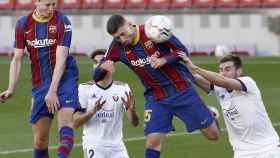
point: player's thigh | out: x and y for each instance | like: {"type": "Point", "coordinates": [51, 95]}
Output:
{"type": "Point", "coordinates": [65, 117]}
{"type": "Point", "coordinates": [41, 129]}
{"type": "Point", "coordinates": [95, 152]}
{"type": "Point", "coordinates": [192, 111]}
{"type": "Point", "coordinates": [157, 118]}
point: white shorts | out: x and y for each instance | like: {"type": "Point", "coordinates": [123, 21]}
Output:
{"type": "Point", "coordinates": [273, 153]}
{"type": "Point", "coordinates": [105, 152]}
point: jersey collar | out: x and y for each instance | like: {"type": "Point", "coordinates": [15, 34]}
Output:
{"type": "Point", "coordinates": [104, 88]}
{"type": "Point", "coordinates": [40, 18]}
{"type": "Point", "coordinates": [137, 37]}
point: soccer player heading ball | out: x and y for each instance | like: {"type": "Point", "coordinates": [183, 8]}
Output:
{"type": "Point", "coordinates": [168, 83]}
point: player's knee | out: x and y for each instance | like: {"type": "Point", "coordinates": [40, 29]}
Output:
{"type": "Point", "coordinates": [41, 142]}
{"type": "Point", "coordinates": [214, 136]}
{"type": "Point", "coordinates": [154, 141]}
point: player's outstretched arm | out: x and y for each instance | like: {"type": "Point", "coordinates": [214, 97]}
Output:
{"type": "Point", "coordinates": [15, 68]}
{"type": "Point", "coordinates": [212, 77]}
{"type": "Point", "coordinates": [81, 118]}
{"type": "Point", "coordinates": [129, 104]}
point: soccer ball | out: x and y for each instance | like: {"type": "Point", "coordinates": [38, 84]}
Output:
{"type": "Point", "coordinates": [158, 28]}
{"type": "Point", "coordinates": [214, 111]}
{"type": "Point", "coordinates": [221, 51]}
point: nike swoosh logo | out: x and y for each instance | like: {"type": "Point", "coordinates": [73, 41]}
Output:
{"type": "Point", "coordinates": [27, 32]}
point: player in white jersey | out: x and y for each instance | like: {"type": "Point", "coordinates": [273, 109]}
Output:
{"type": "Point", "coordinates": [250, 130]}
{"type": "Point", "coordinates": [103, 105]}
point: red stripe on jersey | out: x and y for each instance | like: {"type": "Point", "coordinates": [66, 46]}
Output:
{"type": "Point", "coordinates": [34, 56]}
{"type": "Point", "coordinates": [157, 90]}
{"type": "Point", "coordinates": [61, 29]}
{"type": "Point", "coordinates": [170, 71]}
{"type": "Point", "coordinates": [52, 33]}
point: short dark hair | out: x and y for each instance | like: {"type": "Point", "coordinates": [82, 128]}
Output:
{"type": "Point", "coordinates": [97, 52]}
{"type": "Point", "coordinates": [114, 23]}
{"type": "Point", "coordinates": [235, 59]}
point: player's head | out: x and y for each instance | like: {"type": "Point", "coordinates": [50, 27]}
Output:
{"type": "Point", "coordinates": [45, 7]}
{"type": "Point", "coordinates": [230, 66]}
{"type": "Point", "coordinates": [122, 30]}
{"type": "Point", "coordinates": [96, 56]}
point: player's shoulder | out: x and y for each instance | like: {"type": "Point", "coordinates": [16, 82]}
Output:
{"type": "Point", "coordinates": [87, 84]}
{"type": "Point", "coordinates": [119, 83]}
{"type": "Point", "coordinates": [246, 79]}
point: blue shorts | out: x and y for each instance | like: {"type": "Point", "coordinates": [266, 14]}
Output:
{"type": "Point", "coordinates": [67, 94]}
{"type": "Point", "coordinates": [186, 105]}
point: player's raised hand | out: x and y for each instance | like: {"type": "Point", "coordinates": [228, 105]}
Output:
{"type": "Point", "coordinates": [157, 62]}
{"type": "Point", "coordinates": [109, 66]}
{"type": "Point", "coordinates": [98, 105]}
{"type": "Point", "coordinates": [5, 95]}
{"type": "Point", "coordinates": [185, 58]}
{"type": "Point", "coordinates": [129, 103]}
{"type": "Point", "coordinates": [52, 102]}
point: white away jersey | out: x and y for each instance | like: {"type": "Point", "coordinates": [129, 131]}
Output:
{"type": "Point", "coordinates": [105, 127]}
{"type": "Point", "coordinates": [249, 127]}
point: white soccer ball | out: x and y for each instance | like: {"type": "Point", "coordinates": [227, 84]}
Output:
{"type": "Point", "coordinates": [221, 51]}
{"type": "Point", "coordinates": [158, 28]}
{"type": "Point", "coordinates": [214, 111]}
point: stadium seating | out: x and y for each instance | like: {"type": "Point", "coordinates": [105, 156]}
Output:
{"type": "Point", "coordinates": [250, 3]}
{"type": "Point", "coordinates": [159, 4]}
{"type": "Point", "coordinates": [271, 3]}
{"type": "Point", "coordinates": [70, 4]}
{"type": "Point", "coordinates": [24, 4]}
{"type": "Point", "coordinates": [227, 3]}
{"type": "Point", "coordinates": [92, 4]}
{"type": "Point", "coordinates": [136, 4]}
{"type": "Point", "coordinates": [179, 4]}
{"type": "Point", "coordinates": [7, 4]}
{"type": "Point", "coordinates": [203, 3]}
{"type": "Point", "coordinates": [114, 4]}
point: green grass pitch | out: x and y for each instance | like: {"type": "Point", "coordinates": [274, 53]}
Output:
{"type": "Point", "coordinates": [16, 135]}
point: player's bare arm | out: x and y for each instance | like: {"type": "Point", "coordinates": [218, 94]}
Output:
{"type": "Point", "coordinates": [51, 97]}
{"type": "Point", "coordinates": [109, 66]}
{"type": "Point", "coordinates": [129, 104]}
{"type": "Point", "coordinates": [81, 118]}
{"type": "Point", "coordinates": [157, 62]}
{"type": "Point", "coordinates": [212, 77]}
{"type": "Point", "coordinates": [15, 68]}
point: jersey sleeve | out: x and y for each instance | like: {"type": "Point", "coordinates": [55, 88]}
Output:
{"type": "Point", "coordinates": [19, 42]}
{"type": "Point", "coordinates": [247, 83]}
{"type": "Point", "coordinates": [65, 32]}
{"type": "Point", "coordinates": [83, 96]}
{"type": "Point", "coordinates": [175, 46]}
{"type": "Point", "coordinates": [113, 52]}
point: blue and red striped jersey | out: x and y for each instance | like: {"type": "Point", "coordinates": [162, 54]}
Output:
{"type": "Point", "coordinates": [41, 40]}
{"type": "Point", "coordinates": [159, 83]}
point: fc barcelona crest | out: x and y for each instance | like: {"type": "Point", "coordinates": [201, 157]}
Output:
{"type": "Point", "coordinates": [148, 44]}
{"type": "Point", "coordinates": [52, 29]}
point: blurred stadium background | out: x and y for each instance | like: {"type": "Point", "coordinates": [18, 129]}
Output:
{"type": "Point", "coordinates": [248, 28]}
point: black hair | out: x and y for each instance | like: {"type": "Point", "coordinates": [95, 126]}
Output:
{"type": "Point", "coordinates": [114, 23]}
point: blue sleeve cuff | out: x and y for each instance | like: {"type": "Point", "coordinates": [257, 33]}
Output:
{"type": "Point", "coordinates": [172, 59]}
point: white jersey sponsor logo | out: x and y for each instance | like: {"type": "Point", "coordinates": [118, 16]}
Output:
{"type": "Point", "coordinates": [40, 43]}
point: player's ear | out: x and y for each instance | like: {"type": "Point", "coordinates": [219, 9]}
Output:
{"type": "Point", "coordinates": [239, 71]}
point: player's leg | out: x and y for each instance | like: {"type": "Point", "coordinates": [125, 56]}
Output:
{"type": "Point", "coordinates": [69, 102]}
{"type": "Point", "coordinates": [40, 118]}
{"type": "Point", "coordinates": [195, 114]}
{"type": "Point", "coordinates": [66, 133]}
{"type": "Point", "coordinates": [154, 142]}
{"type": "Point", "coordinates": [41, 131]}
{"type": "Point", "coordinates": [118, 152]}
{"type": "Point", "coordinates": [158, 122]}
